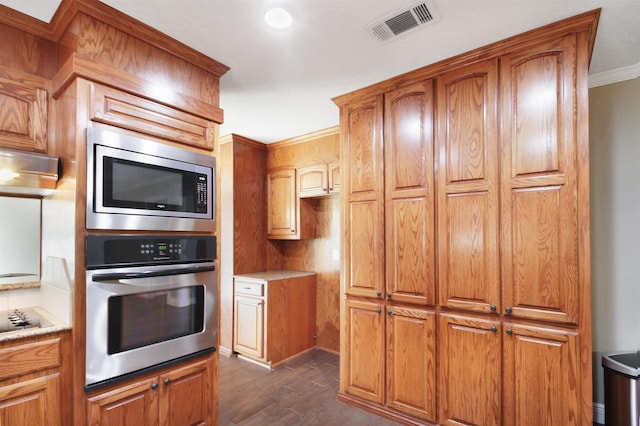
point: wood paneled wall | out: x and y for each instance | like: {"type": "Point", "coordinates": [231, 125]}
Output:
{"type": "Point", "coordinates": [320, 254]}
{"type": "Point", "coordinates": [243, 229]}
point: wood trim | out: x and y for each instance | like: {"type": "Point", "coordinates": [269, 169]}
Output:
{"type": "Point", "coordinates": [69, 8]}
{"type": "Point", "coordinates": [304, 138]}
{"type": "Point", "coordinates": [232, 137]}
{"type": "Point", "coordinates": [587, 21]}
{"type": "Point", "coordinates": [24, 22]}
{"type": "Point", "coordinates": [78, 66]}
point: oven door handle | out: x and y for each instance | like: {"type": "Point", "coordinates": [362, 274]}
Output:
{"type": "Point", "coordinates": [115, 276]}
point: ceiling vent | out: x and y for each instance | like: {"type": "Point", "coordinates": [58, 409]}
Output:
{"type": "Point", "coordinates": [403, 21]}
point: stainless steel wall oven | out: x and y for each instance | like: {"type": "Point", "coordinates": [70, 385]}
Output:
{"type": "Point", "coordinates": [151, 302]}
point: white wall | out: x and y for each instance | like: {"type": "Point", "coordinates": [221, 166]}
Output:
{"type": "Point", "coordinates": [614, 127]}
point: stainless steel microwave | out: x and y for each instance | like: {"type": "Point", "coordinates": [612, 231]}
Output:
{"type": "Point", "coordinates": [139, 184]}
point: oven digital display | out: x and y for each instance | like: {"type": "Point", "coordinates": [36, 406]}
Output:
{"type": "Point", "coordinates": [142, 319]}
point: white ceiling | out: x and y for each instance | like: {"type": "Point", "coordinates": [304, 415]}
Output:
{"type": "Point", "coordinates": [281, 82]}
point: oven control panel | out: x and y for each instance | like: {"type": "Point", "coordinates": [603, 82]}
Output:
{"type": "Point", "coordinates": [128, 250]}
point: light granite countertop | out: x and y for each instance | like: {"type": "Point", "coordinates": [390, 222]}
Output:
{"type": "Point", "coordinates": [49, 324]}
{"type": "Point", "coordinates": [275, 275]}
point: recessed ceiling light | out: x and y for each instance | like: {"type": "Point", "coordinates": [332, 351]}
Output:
{"type": "Point", "coordinates": [278, 18]}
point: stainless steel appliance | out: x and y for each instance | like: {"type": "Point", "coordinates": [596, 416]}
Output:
{"type": "Point", "coordinates": [138, 184]}
{"type": "Point", "coordinates": [27, 173]}
{"type": "Point", "coordinates": [151, 302]}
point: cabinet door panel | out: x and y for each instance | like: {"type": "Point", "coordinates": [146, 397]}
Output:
{"type": "Point", "coordinates": [248, 338]}
{"type": "Point", "coordinates": [365, 354]}
{"type": "Point", "coordinates": [409, 194]}
{"type": "Point", "coordinates": [135, 404]}
{"type": "Point", "coordinates": [364, 249]}
{"type": "Point", "coordinates": [185, 396]}
{"type": "Point", "coordinates": [313, 181]}
{"type": "Point", "coordinates": [470, 376]}
{"type": "Point", "coordinates": [411, 362]}
{"type": "Point", "coordinates": [362, 152]}
{"type": "Point", "coordinates": [281, 200]}
{"type": "Point", "coordinates": [468, 202]}
{"type": "Point", "coordinates": [541, 376]}
{"type": "Point", "coordinates": [539, 196]}
{"type": "Point", "coordinates": [31, 402]}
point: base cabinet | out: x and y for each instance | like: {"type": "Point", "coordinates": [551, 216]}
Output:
{"type": "Point", "coordinates": [391, 357]}
{"type": "Point", "coordinates": [31, 402]}
{"type": "Point", "coordinates": [274, 315]}
{"type": "Point", "coordinates": [32, 377]}
{"type": "Point", "coordinates": [181, 396]}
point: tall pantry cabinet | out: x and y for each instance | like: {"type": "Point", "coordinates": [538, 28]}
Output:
{"type": "Point", "coordinates": [465, 250]}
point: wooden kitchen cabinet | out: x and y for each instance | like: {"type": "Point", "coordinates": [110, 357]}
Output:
{"type": "Point", "coordinates": [274, 315]}
{"type": "Point", "coordinates": [31, 378]}
{"type": "Point", "coordinates": [24, 109]}
{"type": "Point", "coordinates": [180, 396]}
{"type": "Point", "coordinates": [288, 217]}
{"type": "Point", "coordinates": [391, 356]}
{"type": "Point", "coordinates": [543, 158]}
{"type": "Point", "coordinates": [117, 108]}
{"type": "Point", "coordinates": [319, 180]}
{"type": "Point", "coordinates": [490, 147]}
{"type": "Point", "coordinates": [468, 208]}
{"type": "Point", "coordinates": [470, 370]}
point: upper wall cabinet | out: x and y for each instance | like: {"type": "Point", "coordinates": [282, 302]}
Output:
{"type": "Point", "coordinates": [23, 111]}
{"type": "Point", "coordinates": [319, 180]}
{"type": "Point", "coordinates": [288, 217]}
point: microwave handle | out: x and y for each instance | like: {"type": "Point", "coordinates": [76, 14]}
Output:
{"type": "Point", "coordinates": [115, 276]}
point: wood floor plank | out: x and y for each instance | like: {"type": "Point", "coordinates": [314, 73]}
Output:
{"type": "Point", "coordinates": [300, 392]}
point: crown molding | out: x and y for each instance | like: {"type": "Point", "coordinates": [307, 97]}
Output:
{"type": "Point", "coordinates": [614, 76]}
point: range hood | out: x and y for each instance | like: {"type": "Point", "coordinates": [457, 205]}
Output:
{"type": "Point", "coordinates": [27, 173]}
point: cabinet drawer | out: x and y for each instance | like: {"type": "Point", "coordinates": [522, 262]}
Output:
{"type": "Point", "coordinates": [250, 289]}
{"type": "Point", "coordinates": [29, 357]}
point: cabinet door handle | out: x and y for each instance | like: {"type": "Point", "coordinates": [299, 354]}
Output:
{"type": "Point", "coordinates": [389, 312]}
{"type": "Point", "coordinates": [494, 329]}
{"type": "Point", "coordinates": [493, 308]}
{"type": "Point", "coordinates": [293, 231]}
{"type": "Point", "coordinates": [167, 381]}
{"type": "Point", "coordinates": [378, 294]}
{"type": "Point", "coordinates": [378, 310]}
{"type": "Point", "coordinates": [508, 309]}
{"type": "Point", "coordinates": [154, 386]}
{"type": "Point", "coordinates": [388, 295]}
{"type": "Point", "coordinates": [509, 331]}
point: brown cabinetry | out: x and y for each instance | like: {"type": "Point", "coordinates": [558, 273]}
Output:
{"type": "Point", "coordinates": [319, 180]}
{"type": "Point", "coordinates": [390, 348]}
{"type": "Point", "coordinates": [490, 147]}
{"type": "Point", "coordinates": [24, 108]}
{"type": "Point", "coordinates": [274, 315]}
{"type": "Point", "coordinates": [288, 217]}
{"type": "Point", "coordinates": [182, 396]}
{"type": "Point", "coordinates": [30, 383]}
{"type": "Point", "coordinates": [131, 112]}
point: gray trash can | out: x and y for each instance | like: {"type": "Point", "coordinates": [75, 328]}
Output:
{"type": "Point", "coordinates": [621, 389]}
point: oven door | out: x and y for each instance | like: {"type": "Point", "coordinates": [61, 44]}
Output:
{"type": "Point", "coordinates": [141, 318]}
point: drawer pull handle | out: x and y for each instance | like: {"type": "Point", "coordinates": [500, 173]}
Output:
{"type": "Point", "coordinates": [167, 381]}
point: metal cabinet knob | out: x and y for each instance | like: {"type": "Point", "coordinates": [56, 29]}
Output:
{"type": "Point", "coordinates": [167, 381]}
{"type": "Point", "coordinates": [389, 312]}
{"type": "Point", "coordinates": [154, 386]}
{"type": "Point", "coordinates": [388, 295]}
{"type": "Point", "coordinates": [494, 329]}
{"type": "Point", "coordinates": [378, 310]}
{"type": "Point", "coordinates": [493, 308]}
{"type": "Point", "coordinates": [378, 294]}
{"type": "Point", "coordinates": [508, 309]}
{"type": "Point", "coordinates": [509, 331]}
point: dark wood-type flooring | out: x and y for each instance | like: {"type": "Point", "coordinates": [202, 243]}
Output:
{"type": "Point", "coordinates": [300, 392]}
